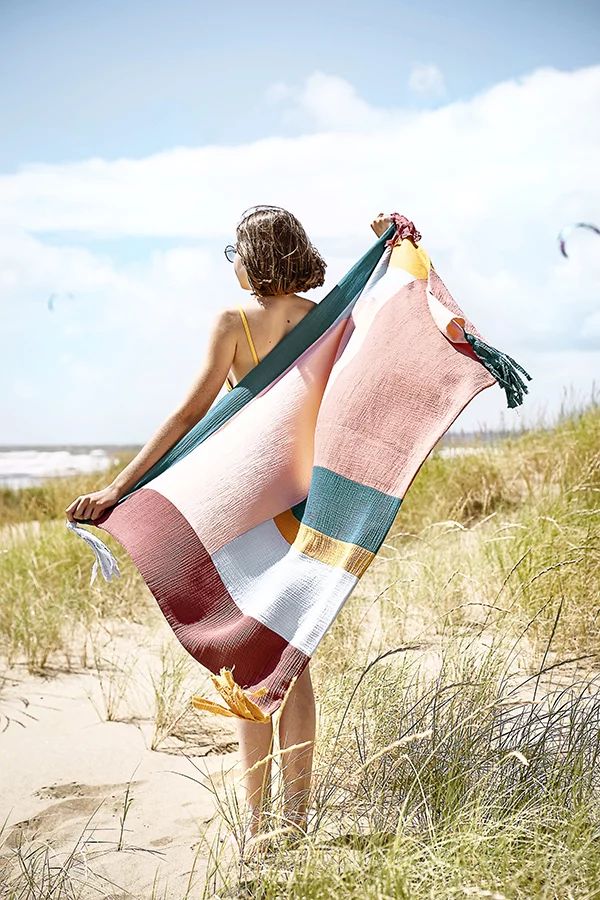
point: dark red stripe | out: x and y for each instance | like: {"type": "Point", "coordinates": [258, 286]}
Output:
{"type": "Point", "coordinates": [188, 589]}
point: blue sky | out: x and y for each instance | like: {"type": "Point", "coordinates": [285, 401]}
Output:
{"type": "Point", "coordinates": [111, 78]}
{"type": "Point", "coordinates": [135, 133]}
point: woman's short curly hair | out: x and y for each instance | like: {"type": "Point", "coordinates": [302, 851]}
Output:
{"type": "Point", "coordinates": [276, 252]}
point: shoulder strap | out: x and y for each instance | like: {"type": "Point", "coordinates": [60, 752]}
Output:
{"type": "Point", "coordinates": [248, 335]}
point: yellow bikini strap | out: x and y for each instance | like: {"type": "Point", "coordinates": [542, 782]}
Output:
{"type": "Point", "coordinates": [248, 335]}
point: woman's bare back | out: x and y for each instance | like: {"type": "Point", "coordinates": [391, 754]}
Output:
{"type": "Point", "coordinates": [268, 325]}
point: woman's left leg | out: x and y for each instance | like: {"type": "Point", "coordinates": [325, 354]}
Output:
{"type": "Point", "coordinates": [255, 740]}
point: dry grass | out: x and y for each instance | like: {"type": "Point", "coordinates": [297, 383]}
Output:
{"type": "Point", "coordinates": [49, 499]}
{"type": "Point", "coordinates": [458, 749]}
{"type": "Point", "coordinates": [114, 673]}
{"type": "Point", "coordinates": [171, 691]}
{"type": "Point", "coordinates": [459, 745]}
{"type": "Point", "coordinates": [47, 599]}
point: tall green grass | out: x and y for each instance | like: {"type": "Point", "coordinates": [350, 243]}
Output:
{"type": "Point", "coordinates": [458, 747]}
{"type": "Point", "coordinates": [47, 600]}
{"type": "Point", "coordinates": [525, 509]}
{"type": "Point", "coordinates": [49, 499]}
{"type": "Point", "coordinates": [458, 780]}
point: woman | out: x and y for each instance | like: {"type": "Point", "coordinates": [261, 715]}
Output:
{"type": "Point", "coordinates": [273, 259]}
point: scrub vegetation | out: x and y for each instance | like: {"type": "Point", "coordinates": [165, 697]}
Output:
{"type": "Point", "coordinates": [458, 740]}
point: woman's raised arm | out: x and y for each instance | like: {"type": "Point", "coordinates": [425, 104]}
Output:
{"type": "Point", "coordinates": [203, 391]}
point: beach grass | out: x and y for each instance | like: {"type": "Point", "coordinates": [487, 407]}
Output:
{"type": "Point", "coordinates": [458, 750]}
{"type": "Point", "coordinates": [47, 597]}
{"type": "Point", "coordinates": [524, 508]}
{"type": "Point", "coordinates": [449, 785]}
{"type": "Point", "coordinates": [49, 499]}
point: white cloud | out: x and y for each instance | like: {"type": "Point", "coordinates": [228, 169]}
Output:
{"type": "Point", "coordinates": [488, 181]}
{"type": "Point", "coordinates": [426, 80]}
{"type": "Point", "coordinates": [325, 102]}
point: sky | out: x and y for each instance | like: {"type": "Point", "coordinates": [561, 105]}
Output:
{"type": "Point", "coordinates": [134, 135]}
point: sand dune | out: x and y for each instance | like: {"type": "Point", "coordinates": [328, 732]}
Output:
{"type": "Point", "coordinates": [66, 774]}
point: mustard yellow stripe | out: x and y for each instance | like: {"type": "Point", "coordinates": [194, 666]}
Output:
{"type": "Point", "coordinates": [412, 259]}
{"type": "Point", "coordinates": [340, 554]}
{"type": "Point", "coordinates": [288, 525]}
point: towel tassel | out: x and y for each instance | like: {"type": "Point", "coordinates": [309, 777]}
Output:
{"type": "Point", "coordinates": [238, 700]}
{"type": "Point", "coordinates": [103, 554]}
{"type": "Point", "coordinates": [503, 367]}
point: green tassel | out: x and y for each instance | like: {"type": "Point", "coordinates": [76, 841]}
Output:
{"type": "Point", "coordinates": [503, 367]}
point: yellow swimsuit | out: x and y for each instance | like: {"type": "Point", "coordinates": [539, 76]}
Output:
{"type": "Point", "coordinates": [250, 342]}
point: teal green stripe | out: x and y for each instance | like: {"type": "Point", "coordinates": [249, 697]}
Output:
{"type": "Point", "coordinates": [349, 511]}
{"type": "Point", "coordinates": [298, 509]}
{"type": "Point", "coordinates": [296, 341]}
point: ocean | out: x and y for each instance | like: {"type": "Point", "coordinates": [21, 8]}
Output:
{"type": "Point", "coordinates": [25, 466]}
{"type": "Point", "coordinates": [22, 466]}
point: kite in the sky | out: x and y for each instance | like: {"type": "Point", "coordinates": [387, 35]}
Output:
{"type": "Point", "coordinates": [54, 297]}
{"type": "Point", "coordinates": [566, 231]}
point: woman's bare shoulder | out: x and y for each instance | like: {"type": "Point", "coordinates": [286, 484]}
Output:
{"type": "Point", "coordinates": [309, 304]}
{"type": "Point", "coordinates": [227, 317]}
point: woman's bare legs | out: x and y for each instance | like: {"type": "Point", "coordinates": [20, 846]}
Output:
{"type": "Point", "coordinates": [297, 725]}
{"type": "Point", "coordinates": [255, 740]}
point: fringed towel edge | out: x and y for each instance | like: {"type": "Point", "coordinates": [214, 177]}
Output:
{"type": "Point", "coordinates": [239, 703]}
{"type": "Point", "coordinates": [503, 367]}
{"type": "Point", "coordinates": [103, 554]}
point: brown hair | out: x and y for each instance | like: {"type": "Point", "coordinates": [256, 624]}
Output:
{"type": "Point", "coordinates": [276, 252]}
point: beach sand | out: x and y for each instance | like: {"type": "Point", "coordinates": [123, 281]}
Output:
{"type": "Point", "coordinates": [65, 777]}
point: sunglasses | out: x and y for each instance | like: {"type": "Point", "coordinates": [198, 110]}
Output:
{"type": "Point", "coordinates": [230, 251]}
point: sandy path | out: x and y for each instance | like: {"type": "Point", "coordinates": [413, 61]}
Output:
{"type": "Point", "coordinates": [65, 772]}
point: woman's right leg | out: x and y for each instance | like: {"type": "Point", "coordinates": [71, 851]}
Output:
{"type": "Point", "coordinates": [256, 743]}
{"type": "Point", "coordinates": [297, 725]}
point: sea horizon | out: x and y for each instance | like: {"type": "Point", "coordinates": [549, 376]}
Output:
{"type": "Point", "coordinates": [28, 465]}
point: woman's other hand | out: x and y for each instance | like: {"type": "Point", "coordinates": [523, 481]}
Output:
{"type": "Point", "coordinates": [91, 506]}
{"type": "Point", "coordinates": [381, 224]}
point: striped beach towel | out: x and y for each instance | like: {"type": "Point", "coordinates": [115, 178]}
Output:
{"type": "Point", "coordinates": [255, 528]}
